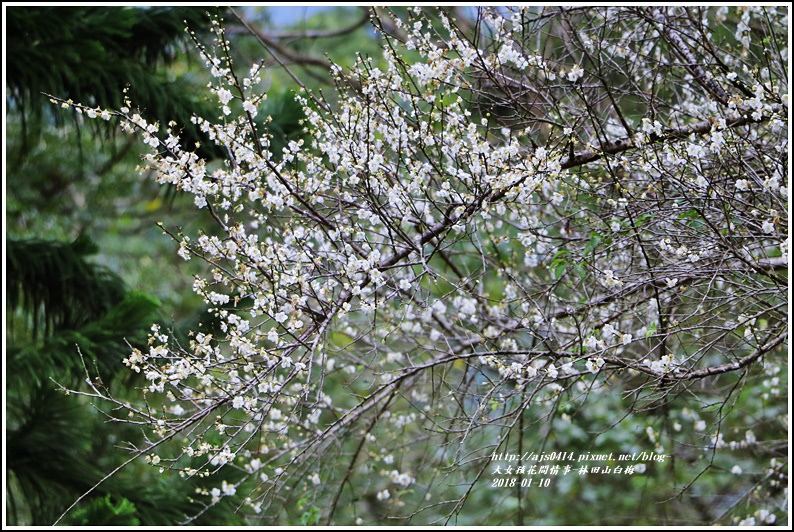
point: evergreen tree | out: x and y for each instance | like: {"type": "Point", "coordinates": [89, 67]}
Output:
{"type": "Point", "coordinates": [67, 317]}
{"type": "Point", "coordinates": [71, 319]}
{"type": "Point", "coordinates": [95, 53]}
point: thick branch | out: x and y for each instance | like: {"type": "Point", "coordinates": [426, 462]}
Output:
{"type": "Point", "coordinates": [276, 48]}
{"type": "Point", "coordinates": [690, 62]}
{"type": "Point", "coordinates": [742, 362]}
{"type": "Point", "coordinates": [621, 145]}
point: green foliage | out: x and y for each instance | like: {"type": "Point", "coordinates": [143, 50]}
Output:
{"type": "Point", "coordinates": [47, 454]}
{"type": "Point", "coordinates": [53, 283]}
{"type": "Point", "coordinates": [100, 343]}
{"type": "Point", "coordinates": [60, 303]}
{"type": "Point", "coordinates": [51, 52]}
{"type": "Point", "coordinates": [70, 318]}
{"type": "Point", "coordinates": [311, 516]}
{"type": "Point", "coordinates": [59, 447]}
{"type": "Point", "coordinates": [102, 511]}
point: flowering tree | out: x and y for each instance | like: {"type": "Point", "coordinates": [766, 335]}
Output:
{"type": "Point", "coordinates": [495, 228]}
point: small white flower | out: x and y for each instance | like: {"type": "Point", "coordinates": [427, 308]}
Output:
{"type": "Point", "coordinates": [591, 343]}
{"type": "Point", "coordinates": [736, 470]}
{"type": "Point", "coordinates": [228, 489]}
{"type": "Point", "coordinates": [224, 95]}
{"type": "Point", "coordinates": [768, 227]}
{"type": "Point", "coordinates": [250, 108]}
{"type": "Point", "coordinates": [609, 280]}
{"type": "Point", "coordinates": [575, 73]}
{"type": "Point", "coordinates": [625, 338]}
{"type": "Point", "coordinates": [742, 184]}
{"type": "Point", "coordinates": [184, 251]}
{"type": "Point", "coordinates": [696, 150]}
{"type": "Point", "coordinates": [593, 365]}
{"type": "Point", "coordinates": [383, 495]}
{"type": "Point", "coordinates": [403, 479]}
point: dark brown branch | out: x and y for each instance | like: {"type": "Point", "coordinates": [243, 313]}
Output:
{"type": "Point", "coordinates": [739, 364]}
{"type": "Point", "coordinates": [621, 145]}
{"type": "Point", "coordinates": [690, 62]}
{"type": "Point", "coordinates": [284, 53]}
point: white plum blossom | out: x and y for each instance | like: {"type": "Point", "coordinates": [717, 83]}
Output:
{"type": "Point", "coordinates": [250, 108]}
{"type": "Point", "coordinates": [225, 96]}
{"type": "Point", "coordinates": [609, 280]}
{"type": "Point", "coordinates": [403, 479]}
{"type": "Point", "coordinates": [591, 343]}
{"type": "Point", "coordinates": [594, 364]}
{"type": "Point", "coordinates": [608, 331]}
{"type": "Point", "coordinates": [575, 73]}
{"type": "Point", "coordinates": [768, 227]}
{"type": "Point", "coordinates": [464, 232]}
{"type": "Point", "coordinates": [228, 489]}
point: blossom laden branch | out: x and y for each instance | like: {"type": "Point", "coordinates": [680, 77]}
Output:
{"type": "Point", "coordinates": [457, 247]}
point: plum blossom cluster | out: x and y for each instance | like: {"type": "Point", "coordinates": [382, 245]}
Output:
{"type": "Point", "coordinates": [472, 227]}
